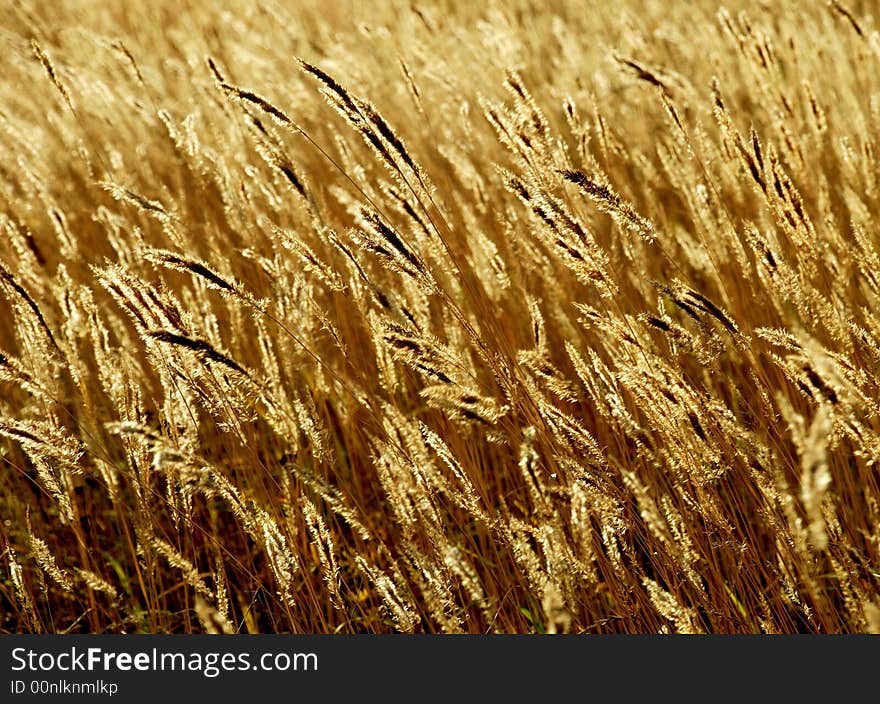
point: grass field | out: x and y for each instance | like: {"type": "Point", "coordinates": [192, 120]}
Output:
{"type": "Point", "coordinates": [439, 317]}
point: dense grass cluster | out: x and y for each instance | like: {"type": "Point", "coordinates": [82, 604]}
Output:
{"type": "Point", "coordinates": [439, 317]}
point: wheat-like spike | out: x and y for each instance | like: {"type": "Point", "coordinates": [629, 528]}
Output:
{"type": "Point", "coordinates": [841, 10]}
{"type": "Point", "coordinates": [252, 98]}
{"type": "Point", "coordinates": [190, 573]}
{"type": "Point", "coordinates": [46, 560]}
{"type": "Point", "coordinates": [44, 59]}
{"type": "Point", "coordinates": [201, 347]}
{"type": "Point", "coordinates": [192, 266]}
{"type": "Point", "coordinates": [608, 201]}
{"type": "Point", "coordinates": [22, 592]}
{"type": "Point", "coordinates": [7, 278]}
{"type": "Point", "coordinates": [323, 540]}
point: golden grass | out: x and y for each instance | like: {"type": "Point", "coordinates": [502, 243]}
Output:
{"type": "Point", "coordinates": [347, 317]}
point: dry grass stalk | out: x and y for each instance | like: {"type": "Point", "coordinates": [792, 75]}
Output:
{"type": "Point", "coordinates": [558, 327]}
